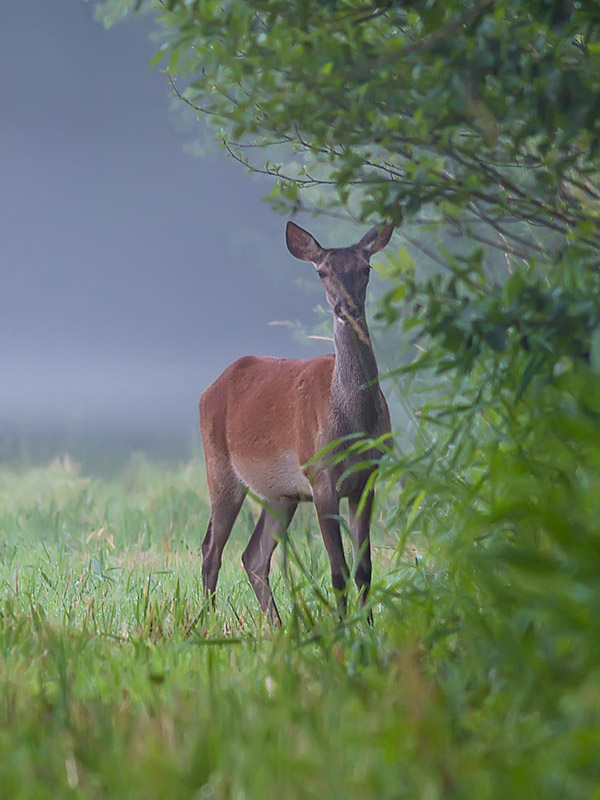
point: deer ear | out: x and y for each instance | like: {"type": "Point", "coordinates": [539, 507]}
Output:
{"type": "Point", "coordinates": [301, 244]}
{"type": "Point", "coordinates": [377, 238]}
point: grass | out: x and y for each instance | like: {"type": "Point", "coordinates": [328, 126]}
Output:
{"type": "Point", "coordinates": [113, 684]}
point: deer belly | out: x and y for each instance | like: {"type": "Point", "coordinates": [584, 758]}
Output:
{"type": "Point", "coordinates": [275, 477]}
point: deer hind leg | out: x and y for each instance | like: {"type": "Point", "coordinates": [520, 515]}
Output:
{"type": "Point", "coordinates": [226, 498]}
{"type": "Point", "coordinates": [271, 526]}
{"type": "Point", "coordinates": [360, 522]}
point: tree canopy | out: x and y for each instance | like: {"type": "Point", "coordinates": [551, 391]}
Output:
{"type": "Point", "coordinates": [477, 112]}
{"type": "Point", "coordinates": [468, 122]}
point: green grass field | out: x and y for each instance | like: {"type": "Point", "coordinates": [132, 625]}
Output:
{"type": "Point", "coordinates": [113, 684]}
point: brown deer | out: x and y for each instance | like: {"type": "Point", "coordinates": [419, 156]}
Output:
{"type": "Point", "coordinates": [265, 419]}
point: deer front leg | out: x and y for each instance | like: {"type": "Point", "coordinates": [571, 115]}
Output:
{"type": "Point", "coordinates": [360, 523]}
{"type": "Point", "coordinates": [328, 513]}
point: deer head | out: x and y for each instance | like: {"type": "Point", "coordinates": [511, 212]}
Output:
{"type": "Point", "coordinates": [344, 271]}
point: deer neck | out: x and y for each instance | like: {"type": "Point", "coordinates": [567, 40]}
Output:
{"type": "Point", "coordinates": [355, 395]}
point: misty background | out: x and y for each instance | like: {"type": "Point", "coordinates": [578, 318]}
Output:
{"type": "Point", "coordinates": [132, 272]}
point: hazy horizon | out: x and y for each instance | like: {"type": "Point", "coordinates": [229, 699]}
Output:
{"type": "Point", "coordinates": [132, 272]}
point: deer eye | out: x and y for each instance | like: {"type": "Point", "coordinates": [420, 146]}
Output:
{"type": "Point", "coordinates": [321, 273]}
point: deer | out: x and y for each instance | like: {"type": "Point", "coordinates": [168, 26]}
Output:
{"type": "Point", "coordinates": [264, 422]}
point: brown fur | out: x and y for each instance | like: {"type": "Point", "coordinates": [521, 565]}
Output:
{"type": "Point", "coordinates": [262, 406]}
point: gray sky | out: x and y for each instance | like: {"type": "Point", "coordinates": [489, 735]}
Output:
{"type": "Point", "coordinates": [132, 273]}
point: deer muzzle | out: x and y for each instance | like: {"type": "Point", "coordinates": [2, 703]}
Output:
{"type": "Point", "coordinates": [346, 311]}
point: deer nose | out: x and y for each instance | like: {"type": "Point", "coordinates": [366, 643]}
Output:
{"type": "Point", "coordinates": [345, 309]}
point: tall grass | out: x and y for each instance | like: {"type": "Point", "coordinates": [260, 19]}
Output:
{"type": "Point", "coordinates": [115, 683]}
